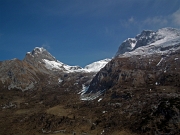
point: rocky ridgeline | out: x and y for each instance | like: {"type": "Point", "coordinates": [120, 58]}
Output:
{"type": "Point", "coordinates": [39, 69]}
{"type": "Point", "coordinates": [140, 86]}
{"type": "Point", "coordinates": [138, 71]}
{"type": "Point", "coordinates": [146, 60]}
{"type": "Point", "coordinates": [150, 42]}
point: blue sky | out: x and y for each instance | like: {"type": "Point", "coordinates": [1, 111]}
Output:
{"type": "Point", "coordinates": [78, 32]}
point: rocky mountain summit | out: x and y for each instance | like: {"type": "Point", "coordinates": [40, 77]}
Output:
{"type": "Point", "coordinates": [39, 64]}
{"type": "Point", "coordinates": [150, 42]}
{"type": "Point", "coordinates": [43, 57]}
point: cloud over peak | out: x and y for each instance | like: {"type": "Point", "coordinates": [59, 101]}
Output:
{"type": "Point", "coordinates": [176, 17]}
{"type": "Point", "coordinates": [172, 19]}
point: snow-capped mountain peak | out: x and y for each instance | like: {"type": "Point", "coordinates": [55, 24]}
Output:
{"type": "Point", "coordinates": [41, 53]}
{"type": "Point", "coordinates": [38, 50]}
{"type": "Point", "coordinates": [40, 56]}
{"type": "Point", "coordinates": [150, 42]}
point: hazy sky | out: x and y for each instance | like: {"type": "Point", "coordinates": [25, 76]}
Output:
{"type": "Point", "coordinates": [78, 32]}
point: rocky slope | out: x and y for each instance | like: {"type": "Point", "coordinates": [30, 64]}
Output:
{"type": "Point", "coordinates": [40, 68]}
{"type": "Point", "coordinates": [42, 59]}
{"type": "Point", "coordinates": [138, 71]}
{"type": "Point", "coordinates": [18, 74]}
{"type": "Point", "coordinates": [160, 56]}
{"type": "Point", "coordinates": [142, 83]}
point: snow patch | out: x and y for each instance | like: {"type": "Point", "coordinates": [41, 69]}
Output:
{"type": "Point", "coordinates": [60, 80]}
{"type": "Point", "coordinates": [91, 96]}
{"type": "Point", "coordinates": [53, 64]}
{"type": "Point", "coordinates": [176, 58]}
{"type": "Point", "coordinates": [104, 111]}
{"type": "Point", "coordinates": [99, 99]}
{"type": "Point", "coordinates": [159, 62]}
{"type": "Point", "coordinates": [84, 89]}
{"type": "Point", "coordinates": [96, 66]}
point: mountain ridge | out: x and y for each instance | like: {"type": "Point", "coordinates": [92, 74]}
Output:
{"type": "Point", "coordinates": [140, 88]}
{"type": "Point", "coordinates": [161, 44]}
{"type": "Point", "coordinates": [38, 64]}
{"type": "Point", "coordinates": [39, 54]}
{"type": "Point", "coordinates": [149, 41]}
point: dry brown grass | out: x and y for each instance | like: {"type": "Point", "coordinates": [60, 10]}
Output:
{"type": "Point", "coordinates": [59, 111]}
{"type": "Point", "coordinates": [123, 132]}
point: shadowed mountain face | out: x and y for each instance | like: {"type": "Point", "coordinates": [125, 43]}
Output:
{"type": "Point", "coordinates": [150, 71]}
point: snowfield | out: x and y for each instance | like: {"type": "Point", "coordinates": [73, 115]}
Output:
{"type": "Point", "coordinates": [57, 65]}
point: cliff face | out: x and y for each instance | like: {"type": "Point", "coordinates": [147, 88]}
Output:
{"type": "Point", "coordinates": [140, 93]}
{"type": "Point", "coordinates": [139, 89]}
{"type": "Point", "coordinates": [138, 71]}
{"type": "Point", "coordinates": [150, 59]}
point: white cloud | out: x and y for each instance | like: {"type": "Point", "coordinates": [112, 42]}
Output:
{"type": "Point", "coordinates": [131, 20]}
{"type": "Point", "coordinates": [172, 20]}
{"type": "Point", "coordinates": [156, 20]}
{"type": "Point", "coordinates": [46, 46]}
{"type": "Point", "coordinates": [176, 17]}
{"type": "Point", "coordinates": [153, 22]}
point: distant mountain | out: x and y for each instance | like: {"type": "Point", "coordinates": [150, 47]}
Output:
{"type": "Point", "coordinates": [42, 56]}
{"type": "Point", "coordinates": [30, 73]}
{"type": "Point", "coordinates": [38, 54]}
{"type": "Point", "coordinates": [149, 42]}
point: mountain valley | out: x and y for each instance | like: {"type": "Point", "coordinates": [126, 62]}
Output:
{"type": "Point", "coordinates": [135, 93]}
